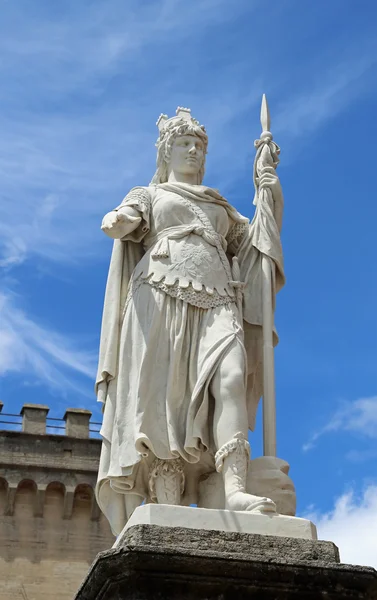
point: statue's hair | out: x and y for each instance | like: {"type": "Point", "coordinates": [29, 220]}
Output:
{"type": "Point", "coordinates": [165, 142]}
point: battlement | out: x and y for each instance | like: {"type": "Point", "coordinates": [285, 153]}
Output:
{"type": "Point", "coordinates": [33, 419]}
{"type": "Point", "coordinates": [67, 462]}
{"type": "Point", "coordinates": [51, 527]}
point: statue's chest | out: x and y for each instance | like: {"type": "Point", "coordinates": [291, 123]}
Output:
{"type": "Point", "coordinates": [169, 210]}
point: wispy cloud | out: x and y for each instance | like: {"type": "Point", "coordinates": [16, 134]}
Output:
{"type": "Point", "coordinates": [352, 526]}
{"type": "Point", "coordinates": [96, 78]}
{"type": "Point", "coordinates": [87, 40]}
{"type": "Point", "coordinates": [361, 456]}
{"type": "Point", "coordinates": [79, 103]}
{"type": "Point", "coordinates": [66, 140]}
{"type": "Point", "coordinates": [42, 355]}
{"type": "Point", "coordinates": [359, 416]}
{"type": "Point", "coordinates": [336, 84]}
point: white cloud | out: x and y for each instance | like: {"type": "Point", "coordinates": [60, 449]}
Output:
{"type": "Point", "coordinates": [87, 41]}
{"type": "Point", "coordinates": [340, 82]}
{"type": "Point", "coordinates": [83, 140]}
{"type": "Point", "coordinates": [41, 354]}
{"type": "Point", "coordinates": [359, 416]}
{"type": "Point", "coordinates": [360, 456]}
{"type": "Point", "coordinates": [90, 144]}
{"type": "Point", "coordinates": [352, 526]}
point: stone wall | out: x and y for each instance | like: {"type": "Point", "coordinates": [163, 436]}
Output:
{"type": "Point", "coordinates": [51, 528]}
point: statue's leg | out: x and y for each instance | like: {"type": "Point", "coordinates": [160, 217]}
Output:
{"type": "Point", "coordinates": [228, 389]}
{"type": "Point", "coordinates": [167, 481]}
{"type": "Point", "coordinates": [230, 432]}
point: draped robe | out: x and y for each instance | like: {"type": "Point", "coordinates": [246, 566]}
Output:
{"type": "Point", "coordinates": [160, 345]}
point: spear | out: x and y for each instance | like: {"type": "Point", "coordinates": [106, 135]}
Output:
{"type": "Point", "coordinates": [267, 156]}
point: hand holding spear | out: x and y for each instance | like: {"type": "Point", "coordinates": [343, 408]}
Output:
{"type": "Point", "coordinates": [267, 188]}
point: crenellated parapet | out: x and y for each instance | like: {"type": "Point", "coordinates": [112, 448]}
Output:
{"type": "Point", "coordinates": [38, 460]}
{"type": "Point", "coordinates": [49, 519]}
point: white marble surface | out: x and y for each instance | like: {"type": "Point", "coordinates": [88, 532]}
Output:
{"type": "Point", "coordinates": [180, 246]}
{"type": "Point", "coordinates": [221, 520]}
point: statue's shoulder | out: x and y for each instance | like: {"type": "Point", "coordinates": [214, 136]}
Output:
{"type": "Point", "coordinates": [142, 189]}
{"type": "Point", "coordinates": [140, 195]}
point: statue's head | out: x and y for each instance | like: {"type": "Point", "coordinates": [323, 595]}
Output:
{"type": "Point", "coordinates": [182, 144]}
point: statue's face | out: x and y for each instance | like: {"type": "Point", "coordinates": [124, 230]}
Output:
{"type": "Point", "coordinates": [187, 155]}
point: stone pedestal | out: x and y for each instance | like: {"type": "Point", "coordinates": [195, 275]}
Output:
{"type": "Point", "coordinates": [154, 562]}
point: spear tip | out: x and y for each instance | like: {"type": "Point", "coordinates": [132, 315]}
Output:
{"type": "Point", "coordinates": [265, 118]}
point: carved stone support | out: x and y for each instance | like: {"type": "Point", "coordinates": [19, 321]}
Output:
{"type": "Point", "coordinates": [167, 481]}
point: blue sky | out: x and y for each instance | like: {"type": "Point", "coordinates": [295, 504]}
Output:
{"type": "Point", "coordinates": [81, 87]}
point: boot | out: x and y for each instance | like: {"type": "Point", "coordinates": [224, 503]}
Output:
{"type": "Point", "coordinates": [232, 460]}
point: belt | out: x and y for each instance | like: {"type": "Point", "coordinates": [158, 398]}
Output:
{"type": "Point", "coordinates": [160, 240]}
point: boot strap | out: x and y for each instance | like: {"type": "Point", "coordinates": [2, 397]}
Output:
{"type": "Point", "coordinates": [237, 444]}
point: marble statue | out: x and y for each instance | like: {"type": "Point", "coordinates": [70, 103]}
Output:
{"type": "Point", "coordinates": [181, 365]}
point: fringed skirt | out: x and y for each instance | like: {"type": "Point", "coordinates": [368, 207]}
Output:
{"type": "Point", "coordinates": [160, 405]}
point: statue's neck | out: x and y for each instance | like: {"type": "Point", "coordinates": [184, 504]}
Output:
{"type": "Point", "coordinates": [192, 179]}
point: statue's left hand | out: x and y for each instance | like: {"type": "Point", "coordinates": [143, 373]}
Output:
{"type": "Point", "coordinates": [269, 180]}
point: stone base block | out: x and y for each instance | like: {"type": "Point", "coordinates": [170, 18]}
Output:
{"type": "Point", "coordinates": [152, 562]}
{"type": "Point", "coordinates": [220, 520]}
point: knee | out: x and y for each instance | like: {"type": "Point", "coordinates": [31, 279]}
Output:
{"type": "Point", "coordinates": [229, 383]}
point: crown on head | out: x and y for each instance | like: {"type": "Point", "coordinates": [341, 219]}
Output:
{"type": "Point", "coordinates": [181, 114]}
